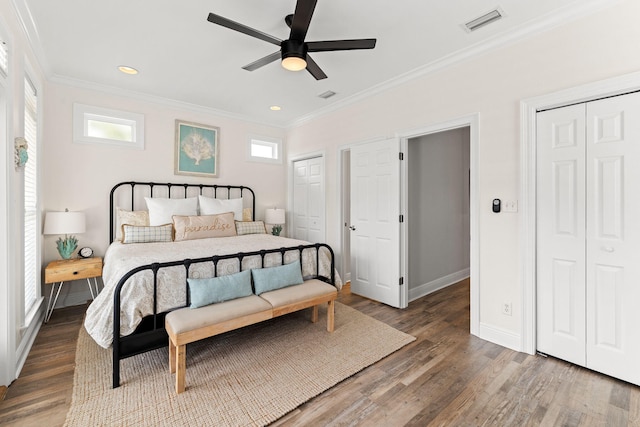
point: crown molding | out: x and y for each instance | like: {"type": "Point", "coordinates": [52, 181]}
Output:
{"type": "Point", "coordinates": [25, 18]}
{"type": "Point", "coordinates": [167, 102]}
{"type": "Point", "coordinates": [528, 30]}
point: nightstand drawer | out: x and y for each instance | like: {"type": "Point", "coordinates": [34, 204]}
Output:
{"type": "Point", "coordinates": [73, 269]}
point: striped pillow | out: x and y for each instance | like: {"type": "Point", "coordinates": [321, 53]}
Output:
{"type": "Point", "coordinates": [140, 234]}
{"type": "Point", "coordinates": [250, 227]}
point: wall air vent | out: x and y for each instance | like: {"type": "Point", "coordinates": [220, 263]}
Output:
{"type": "Point", "coordinates": [327, 94]}
{"type": "Point", "coordinates": [483, 20]}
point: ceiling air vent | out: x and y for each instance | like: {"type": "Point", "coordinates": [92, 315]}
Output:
{"type": "Point", "coordinates": [327, 94]}
{"type": "Point", "coordinates": [483, 20]}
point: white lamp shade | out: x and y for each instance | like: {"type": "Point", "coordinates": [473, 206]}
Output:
{"type": "Point", "coordinates": [274, 216]}
{"type": "Point", "coordinates": [64, 223]}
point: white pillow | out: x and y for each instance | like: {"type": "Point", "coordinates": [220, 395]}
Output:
{"type": "Point", "coordinates": [210, 206]}
{"type": "Point", "coordinates": [161, 210]}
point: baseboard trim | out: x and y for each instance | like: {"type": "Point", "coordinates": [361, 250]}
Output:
{"type": "Point", "coordinates": [435, 285]}
{"type": "Point", "coordinates": [500, 336]}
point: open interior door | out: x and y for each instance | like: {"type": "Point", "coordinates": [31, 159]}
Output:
{"type": "Point", "coordinates": [375, 221]}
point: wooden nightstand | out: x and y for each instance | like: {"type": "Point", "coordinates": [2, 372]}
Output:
{"type": "Point", "coordinates": [64, 270]}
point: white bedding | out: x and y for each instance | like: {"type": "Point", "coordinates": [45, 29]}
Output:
{"type": "Point", "coordinates": [137, 294]}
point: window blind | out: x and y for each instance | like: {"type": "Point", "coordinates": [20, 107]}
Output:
{"type": "Point", "coordinates": [30, 196]}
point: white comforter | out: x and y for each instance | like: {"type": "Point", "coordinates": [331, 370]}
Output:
{"type": "Point", "coordinates": [137, 294]}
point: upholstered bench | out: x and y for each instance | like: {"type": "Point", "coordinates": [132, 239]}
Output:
{"type": "Point", "coordinates": [187, 325]}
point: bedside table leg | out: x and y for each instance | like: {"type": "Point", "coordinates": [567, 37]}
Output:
{"type": "Point", "coordinates": [91, 288]}
{"type": "Point", "coordinates": [52, 303]}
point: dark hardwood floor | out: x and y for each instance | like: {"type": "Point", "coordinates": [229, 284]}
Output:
{"type": "Point", "coordinates": [445, 378]}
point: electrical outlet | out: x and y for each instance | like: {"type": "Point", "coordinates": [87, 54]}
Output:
{"type": "Point", "coordinates": [506, 308]}
{"type": "Point", "coordinates": [510, 206]}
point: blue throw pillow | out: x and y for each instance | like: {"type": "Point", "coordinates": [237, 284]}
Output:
{"type": "Point", "coordinates": [272, 278]}
{"type": "Point", "coordinates": [219, 289]}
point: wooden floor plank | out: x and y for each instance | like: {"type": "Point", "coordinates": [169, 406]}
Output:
{"type": "Point", "coordinates": [446, 377]}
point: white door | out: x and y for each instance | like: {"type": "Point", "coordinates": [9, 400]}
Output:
{"type": "Point", "coordinates": [375, 224]}
{"type": "Point", "coordinates": [589, 236]}
{"type": "Point", "coordinates": [613, 236]}
{"type": "Point", "coordinates": [561, 292]}
{"type": "Point", "coordinates": [308, 200]}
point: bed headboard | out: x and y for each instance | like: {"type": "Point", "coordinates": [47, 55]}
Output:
{"type": "Point", "coordinates": [130, 195]}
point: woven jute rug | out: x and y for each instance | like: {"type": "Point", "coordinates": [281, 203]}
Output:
{"type": "Point", "coordinates": [248, 377]}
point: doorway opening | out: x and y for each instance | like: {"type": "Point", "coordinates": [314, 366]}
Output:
{"type": "Point", "coordinates": [437, 215]}
{"type": "Point", "coordinates": [469, 124]}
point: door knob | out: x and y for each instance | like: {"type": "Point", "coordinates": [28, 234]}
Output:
{"type": "Point", "coordinates": [608, 249]}
{"type": "Point", "coordinates": [352, 228]}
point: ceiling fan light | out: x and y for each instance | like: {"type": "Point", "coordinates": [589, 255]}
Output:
{"type": "Point", "coordinates": [294, 63]}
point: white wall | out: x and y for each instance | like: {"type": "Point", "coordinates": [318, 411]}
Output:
{"type": "Point", "coordinates": [588, 49]}
{"type": "Point", "coordinates": [438, 210]}
{"type": "Point", "coordinates": [80, 176]}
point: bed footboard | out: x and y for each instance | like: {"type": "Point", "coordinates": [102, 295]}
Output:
{"type": "Point", "coordinates": [151, 334]}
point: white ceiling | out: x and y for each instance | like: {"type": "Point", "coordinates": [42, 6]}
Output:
{"type": "Point", "coordinates": [183, 57]}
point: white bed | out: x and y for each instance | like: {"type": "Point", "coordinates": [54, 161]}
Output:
{"type": "Point", "coordinates": [137, 295]}
{"type": "Point", "coordinates": [161, 230]}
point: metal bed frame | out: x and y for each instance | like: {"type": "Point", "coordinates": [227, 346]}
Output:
{"type": "Point", "coordinates": [240, 190]}
{"type": "Point", "coordinates": [150, 333]}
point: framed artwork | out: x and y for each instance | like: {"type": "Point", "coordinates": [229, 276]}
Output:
{"type": "Point", "coordinates": [196, 149]}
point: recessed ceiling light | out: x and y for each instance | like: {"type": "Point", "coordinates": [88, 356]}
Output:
{"type": "Point", "coordinates": [275, 108]}
{"type": "Point", "coordinates": [127, 70]}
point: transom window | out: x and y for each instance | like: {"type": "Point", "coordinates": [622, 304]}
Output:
{"type": "Point", "coordinates": [264, 149]}
{"type": "Point", "coordinates": [95, 125]}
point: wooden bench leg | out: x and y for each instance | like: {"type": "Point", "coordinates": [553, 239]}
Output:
{"type": "Point", "coordinates": [331, 316]}
{"type": "Point", "coordinates": [172, 357]}
{"type": "Point", "coordinates": [314, 314]}
{"type": "Point", "coordinates": [181, 367]}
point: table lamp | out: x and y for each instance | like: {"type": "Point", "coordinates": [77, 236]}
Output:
{"type": "Point", "coordinates": [65, 223]}
{"type": "Point", "coordinates": [275, 217]}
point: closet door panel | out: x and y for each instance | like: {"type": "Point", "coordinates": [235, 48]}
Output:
{"type": "Point", "coordinates": [561, 233]}
{"type": "Point", "coordinates": [300, 214]}
{"type": "Point", "coordinates": [315, 206]}
{"type": "Point", "coordinates": [613, 236]}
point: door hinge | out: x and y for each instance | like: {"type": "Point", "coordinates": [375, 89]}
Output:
{"type": "Point", "coordinates": [401, 155]}
{"type": "Point", "coordinates": [401, 218]}
{"type": "Point", "coordinates": [401, 282]}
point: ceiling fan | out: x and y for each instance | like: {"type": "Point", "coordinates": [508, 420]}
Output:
{"type": "Point", "coordinates": [294, 50]}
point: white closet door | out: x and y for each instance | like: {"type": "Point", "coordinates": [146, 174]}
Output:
{"type": "Point", "coordinates": [613, 236]}
{"type": "Point", "coordinates": [308, 200]}
{"type": "Point", "coordinates": [315, 224]}
{"type": "Point", "coordinates": [561, 233]}
{"type": "Point", "coordinates": [300, 212]}
{"type": "Point", "coordinates": [588, 248]}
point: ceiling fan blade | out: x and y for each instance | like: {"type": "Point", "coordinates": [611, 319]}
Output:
{"type": "Point", "coordinates": [263, 61]}
{"type": "Point", "coordinates": [221, 20]}
{"type": "Point", "coordinates": [302, 19]}
{"type": "Point", "coordinates": [329, 45]}
{"type": "Point", "coordinates": [314, 69]}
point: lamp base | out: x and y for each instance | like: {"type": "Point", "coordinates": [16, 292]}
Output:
{"type": "Point", "coordinates": [67, 246]}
